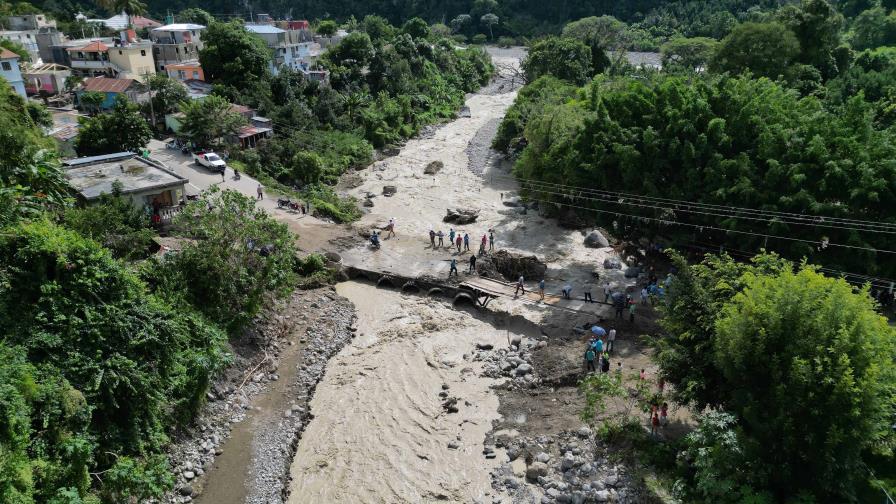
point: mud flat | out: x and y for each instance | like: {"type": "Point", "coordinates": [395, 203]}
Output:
{"type": "Point", "coordinates": [381, 431]}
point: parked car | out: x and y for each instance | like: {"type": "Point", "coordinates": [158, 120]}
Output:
{"type": "Point", "coordinates": [210, 160]}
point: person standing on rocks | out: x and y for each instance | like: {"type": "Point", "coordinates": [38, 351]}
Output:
{"type": "Point", "coordinates": [432, 238]}
{"type": "Point", "coordinates": [541, 289]}
{"type": "Point", "coordinates": [605, 365]}
{"type": "Point", "coordinates": [611, 340]}
{"type": "Point", "coordinates": [453, 269]}
{"type": "Point", "coordinates": [631, 310]}
{"type": "Point", "coordinates": [482, 245]}
{"type": "Point", "coordinates": [459, 241]}
{"type": "Point", "coordinates": [472, 264]}
{"type": "Point", "coordinates": [520, 285]}
{"type": "Point", "coordinates": [260, 192]}
{"type": "Point", "coordinates": [451, 236]}
{"type": "Point", "coordinates": [589, 360]}
{"type": "Point", "coordinates": [441, 236]}
{"type": "Point", "coordinates": [491, 240]}
{"type": "Point", "coordinates": [607, 292]}
{"type": "Point", "coordinates": [567, 291]}
{"type": "Point", "coordinates": [644, 295]}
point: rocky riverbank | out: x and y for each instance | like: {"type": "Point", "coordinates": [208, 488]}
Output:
{"type": "Point", "coordinates": [240, 446]}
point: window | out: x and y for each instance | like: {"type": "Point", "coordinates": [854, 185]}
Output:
{"type": "Point", "coordinates": [7, 66]}
{"type": "Point", "coordinates": [181, 75]}
{"type": "Point", "coordinates": [142, 52]}
{"type": "Point", "coordinates": [195, 74]}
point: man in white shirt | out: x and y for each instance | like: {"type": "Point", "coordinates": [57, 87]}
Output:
{"type": "Point", "coordinates": [611, 339]}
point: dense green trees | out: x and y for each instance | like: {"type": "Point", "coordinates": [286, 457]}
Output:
{"type": "Point", "coordinates": [232, 56]}
{"type": "Point", "coordinates": [564, 58]}
{"type": "Point", "coordinates": [803, 362]}
{"type": "Point", "coordinates": [121, 129]}
{"type": "Point", "coordinates": [134, 363]}
{"type": "Point", "coordinates": [764, 49]}
{"type": "Point", "coordinates": [208, 122]}
{"type": "Point", "coordinates": [720, 140]}
{"type": "Point", "coordinates": [688, 53]}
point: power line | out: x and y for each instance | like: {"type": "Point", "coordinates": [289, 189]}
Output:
{"type": "Point", "coordinates": [786, 217]}
{"type": "Point", "coordinates": [673, 222]}
{"type": "Point", "coordinates": [587, 198]}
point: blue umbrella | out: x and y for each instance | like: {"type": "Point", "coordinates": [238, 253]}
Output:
{"type": "Point", "coordinates": [599, 331]}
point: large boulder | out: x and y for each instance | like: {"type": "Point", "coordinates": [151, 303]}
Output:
{"type": "Point", "coordinates": [433, 168]}
{"type": "Point", "coordinates": [389, 190]}
{"type": "Point", "coordinates": [612, 263]}
{"type": "Point", "coordinates": [632, 272]}
{"type": "Point", "coordinates": [511, 266]}
{"type": "Point", "coordinates": [596, 239]}
{"type": "Point", "coordinates": [461, 216]}
{"type": "Point", "coordinates": [535, 470]}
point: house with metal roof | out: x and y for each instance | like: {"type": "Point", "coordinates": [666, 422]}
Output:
{"type": "Point", "coordinates": [112, 88]}
{"type": "Point", "coordinates": [292, 48]}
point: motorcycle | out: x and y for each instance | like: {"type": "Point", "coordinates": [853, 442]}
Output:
{"type": "Point", "coordinates": [236, 175]}
{"type": "Point", "coordinates": [283, 203]}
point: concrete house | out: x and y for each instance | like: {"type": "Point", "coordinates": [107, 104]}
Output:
{"type": "Point", "coordinates": [142, 181]}
{"type": "Point", "coordinates": [293, 47]}
{"type": "Point", "coordinates": [34, 32]}
{"type": "Point", "coordinates": [9, 70]}
{"type": "Point", "coordinates": [48, 78]}
{"type": "Point", "coordinates": [176, 43]}
{"type": "Point", "coordinates": [125, 58]}
{"type": "Point", "coordinates": [188, 70]}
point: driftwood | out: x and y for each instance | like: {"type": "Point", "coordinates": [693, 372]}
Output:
{"type": "Point", "coordinates": [461, 216]}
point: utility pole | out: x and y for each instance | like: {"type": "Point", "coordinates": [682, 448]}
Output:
{"type": "Point", "coordinates": [152, 110]}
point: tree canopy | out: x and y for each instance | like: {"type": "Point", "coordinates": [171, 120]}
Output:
{"type": "Point", "coordinates": [121, 129]}
{"type": "Point", "coordinates": [564, 58]}
{"type": "Point", "coordinates": [232, 56]}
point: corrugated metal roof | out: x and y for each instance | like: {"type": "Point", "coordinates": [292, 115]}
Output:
{"type": "Point", "coordinates": [107, 85]}
{"type": "Point", "coordinates": [264, 29]}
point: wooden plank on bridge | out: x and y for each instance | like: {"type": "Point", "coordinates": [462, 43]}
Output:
{"type": "Point", "coordinates": [489, 286]}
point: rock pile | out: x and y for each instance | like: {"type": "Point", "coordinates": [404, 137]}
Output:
{"type": "Point", "coordinates": [567, 468]}
{"type": "Point", "coordinates": [514, 362]}
{"type": "Point", "coordinates": [329, 321]}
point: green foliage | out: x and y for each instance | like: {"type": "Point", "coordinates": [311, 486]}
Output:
{"type": "Point", "coordinates": [416, 28]}
{"type": "Point", "coordinates": [690, 54]}
{"type": "Point", "coordinates": [873, 28]}
{"type": "Point", "coordinates": [615, 400]}
{"type": "Point", "coordinates": [804, 363]}
{"type": "Point", "coordinates": [39, 114]}
{"type": "Point", "coordinates": [167, 94]}
{"type": "Point", "coordinates": [209, 121]}
{"type": "Point", "coordinates": [122, 129]}
{"type": "Point", "coordinates": [479, 39]}
{"type": "Point", "coordinates": [327, 28]}
{"type": "Point", "coordinates": [30, 176]}
{"type": "Point", "coordinates": [238, 255]}
{"type": "Point", "coordinates": [565, 58]}
{"type": "Point", "coordinates": [531, 102]}
{"type": "Point", "coordinates": [326, 203]}
{"type": "Point", "coordinates": [377, 28]}
{"type": "Point", "coordinates": [716, 467]}
{"type": "Point", "coordinates": [137, 480]}
{"type": "Point", "coordinates": [817, 26]}
{"type": "Point", "coordinates": [232, 56]}
{"type": "Point", "coordinates": [196, 16]}
{"type": "Point", "coordinates": [134, 363]}
{"type": "Point", "coordinates": [306, 167]}
{"type": "Point", "coordinates": [764, 49]}
{"type": "Point", "coordinates": [115, 223]}
{"type": "Point", "coordinates": [91, 101]}
{"type": "Point", "coordinates": [798, 345]}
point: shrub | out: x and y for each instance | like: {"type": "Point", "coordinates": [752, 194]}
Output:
{"type": "Point", "coordinates": [480, 38]}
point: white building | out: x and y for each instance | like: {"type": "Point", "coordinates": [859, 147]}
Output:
{"type": "Point", "coordinates": [176, 43]}
{"type": "Point", "coordinates": [293, 49]}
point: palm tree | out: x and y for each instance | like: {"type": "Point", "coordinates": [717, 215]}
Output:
{"type": "Point", "coordinates": [127, 6]}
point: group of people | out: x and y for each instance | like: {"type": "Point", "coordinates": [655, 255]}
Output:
{"type": "Point", "coordinates": [461, 241]}
{"type": "Point", "coordinates": [597, 355]}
